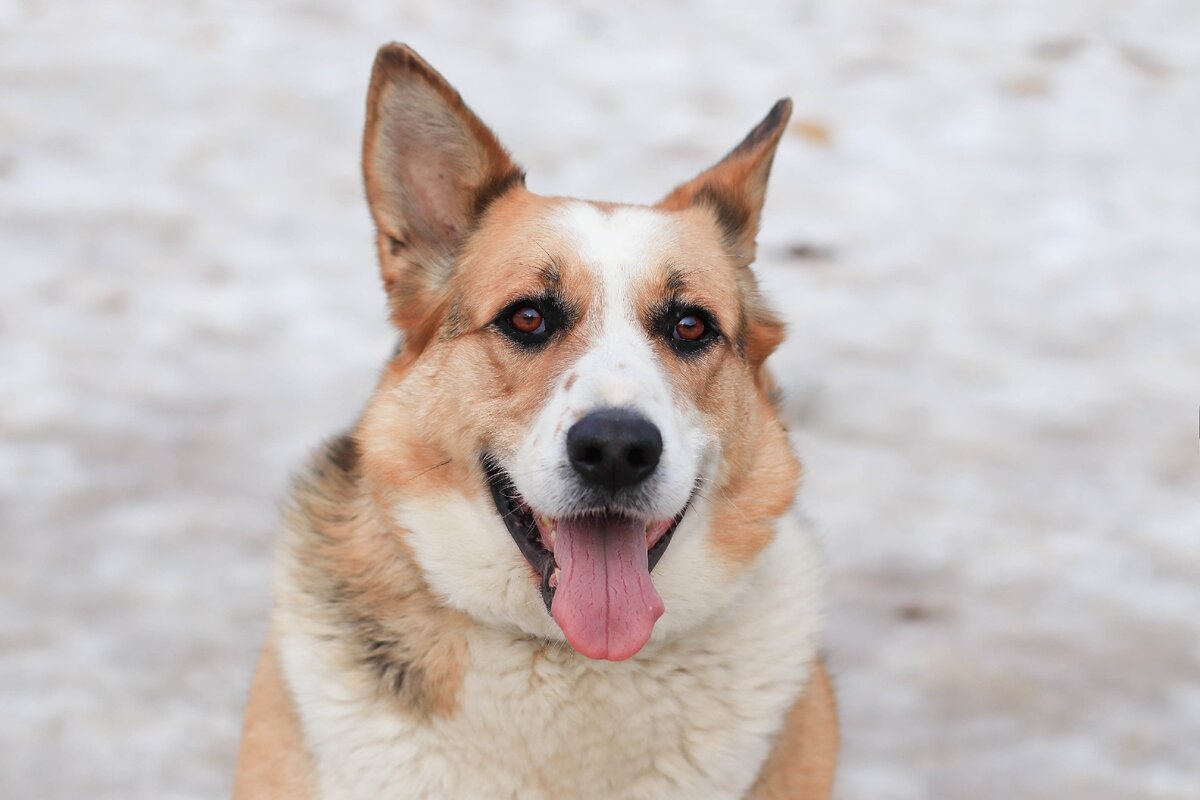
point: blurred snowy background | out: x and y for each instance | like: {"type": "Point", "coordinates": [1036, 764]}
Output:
{"type": "Point", "coordinates": [983, 226]}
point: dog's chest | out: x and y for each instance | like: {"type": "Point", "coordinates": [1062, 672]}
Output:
{"type": "Point", "coordinates": [692, 718]}
{"type": "Point", "coordinates": [538, 724]}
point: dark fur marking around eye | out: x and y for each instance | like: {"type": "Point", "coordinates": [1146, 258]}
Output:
{"type": "Point", "coordinates": [663, 318]}
{"type": "Point", "coordinates": [556, 312]}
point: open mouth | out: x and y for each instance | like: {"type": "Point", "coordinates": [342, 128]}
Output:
{"type": "Point", "coordinates": [594, 569]}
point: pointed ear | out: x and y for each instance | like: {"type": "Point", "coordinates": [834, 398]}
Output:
{"type": "Point", "coordinates": [735, 188]}
{"type": "Point", "coordinates": [733, 191]}
{"type": "Point", "coordinates": [431, 169]}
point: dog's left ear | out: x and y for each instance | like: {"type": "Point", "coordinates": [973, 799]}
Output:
{"type": "Point", "coordinates": [733, 191]}
{"type": "Point", "coordinates": [431, 169]}
{"type": "Point", "coordinates": [735, 188]}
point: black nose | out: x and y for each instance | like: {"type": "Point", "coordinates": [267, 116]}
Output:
{"type": "Point", "coordinates": [614, 448]}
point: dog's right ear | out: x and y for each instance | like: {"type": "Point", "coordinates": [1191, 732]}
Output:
{"type": "Point", "coordinates": [431, 169]}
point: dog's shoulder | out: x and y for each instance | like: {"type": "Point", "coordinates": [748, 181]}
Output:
{"type": "Point", "coordinates": [803, 758]}
{"type": "Point", "coordinates": [346, 578]}
{"type": "Point", "coordinates": [273, 762]}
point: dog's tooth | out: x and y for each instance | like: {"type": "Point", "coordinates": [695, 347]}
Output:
{"type": "Point", "coordinates": [553, 582]}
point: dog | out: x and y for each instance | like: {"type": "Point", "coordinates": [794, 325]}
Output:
{"type": "Point", "coordinates": [558, 555]}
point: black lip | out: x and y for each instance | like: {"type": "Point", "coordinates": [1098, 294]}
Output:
{"type": "Point", "coordinates": [518, 519]}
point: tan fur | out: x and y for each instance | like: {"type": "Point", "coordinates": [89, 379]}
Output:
{"type": "Point", "coordinates": [460, 239]}
{"type": "Point", "coordinates": [273, 763]}
{"type": "Point", "coordinates": [804, 759]}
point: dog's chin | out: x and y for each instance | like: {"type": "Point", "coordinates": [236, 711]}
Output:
{"type": "Point", "coordinates": [592, 568]}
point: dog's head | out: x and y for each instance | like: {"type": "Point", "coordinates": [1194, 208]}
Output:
{"type": "Point", "coordinates": [580, 385]}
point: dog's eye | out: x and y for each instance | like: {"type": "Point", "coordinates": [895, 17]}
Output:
{"type": "Point", "coordinates": [528, 319]}
{"type": "Point", "coordinates": [531, 322]}
{"type": "Point", "coordinates": [689, 328]}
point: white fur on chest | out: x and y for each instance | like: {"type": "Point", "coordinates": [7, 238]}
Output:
{"type": "Point", "coordinates": [687, 718]}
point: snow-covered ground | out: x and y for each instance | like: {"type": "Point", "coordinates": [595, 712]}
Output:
{"type": "Point", "coordinates": [984, 229]}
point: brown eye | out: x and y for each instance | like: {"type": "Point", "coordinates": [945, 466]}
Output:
{"type": "Point", "coordinates": [527, 319]}
{"type": "Point", "coordinates": [689, 328]}
{"type": "Point", "coordinates": [532, 322]}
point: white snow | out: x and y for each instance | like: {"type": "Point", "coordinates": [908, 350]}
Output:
{"type": "Point", "coordinates": [993, 368]}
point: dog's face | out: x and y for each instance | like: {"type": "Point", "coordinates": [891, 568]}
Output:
{"type": "Point", "coordinates": [578, 421]}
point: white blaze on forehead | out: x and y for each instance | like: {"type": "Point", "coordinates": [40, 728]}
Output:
{"type": "Point", "coordinates": [625, 248]}
{"type": "Point", "coordinates": [620, 245]}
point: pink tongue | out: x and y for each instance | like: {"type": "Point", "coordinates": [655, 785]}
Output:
{"type": "Point", "coordinates": [605, 602]}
